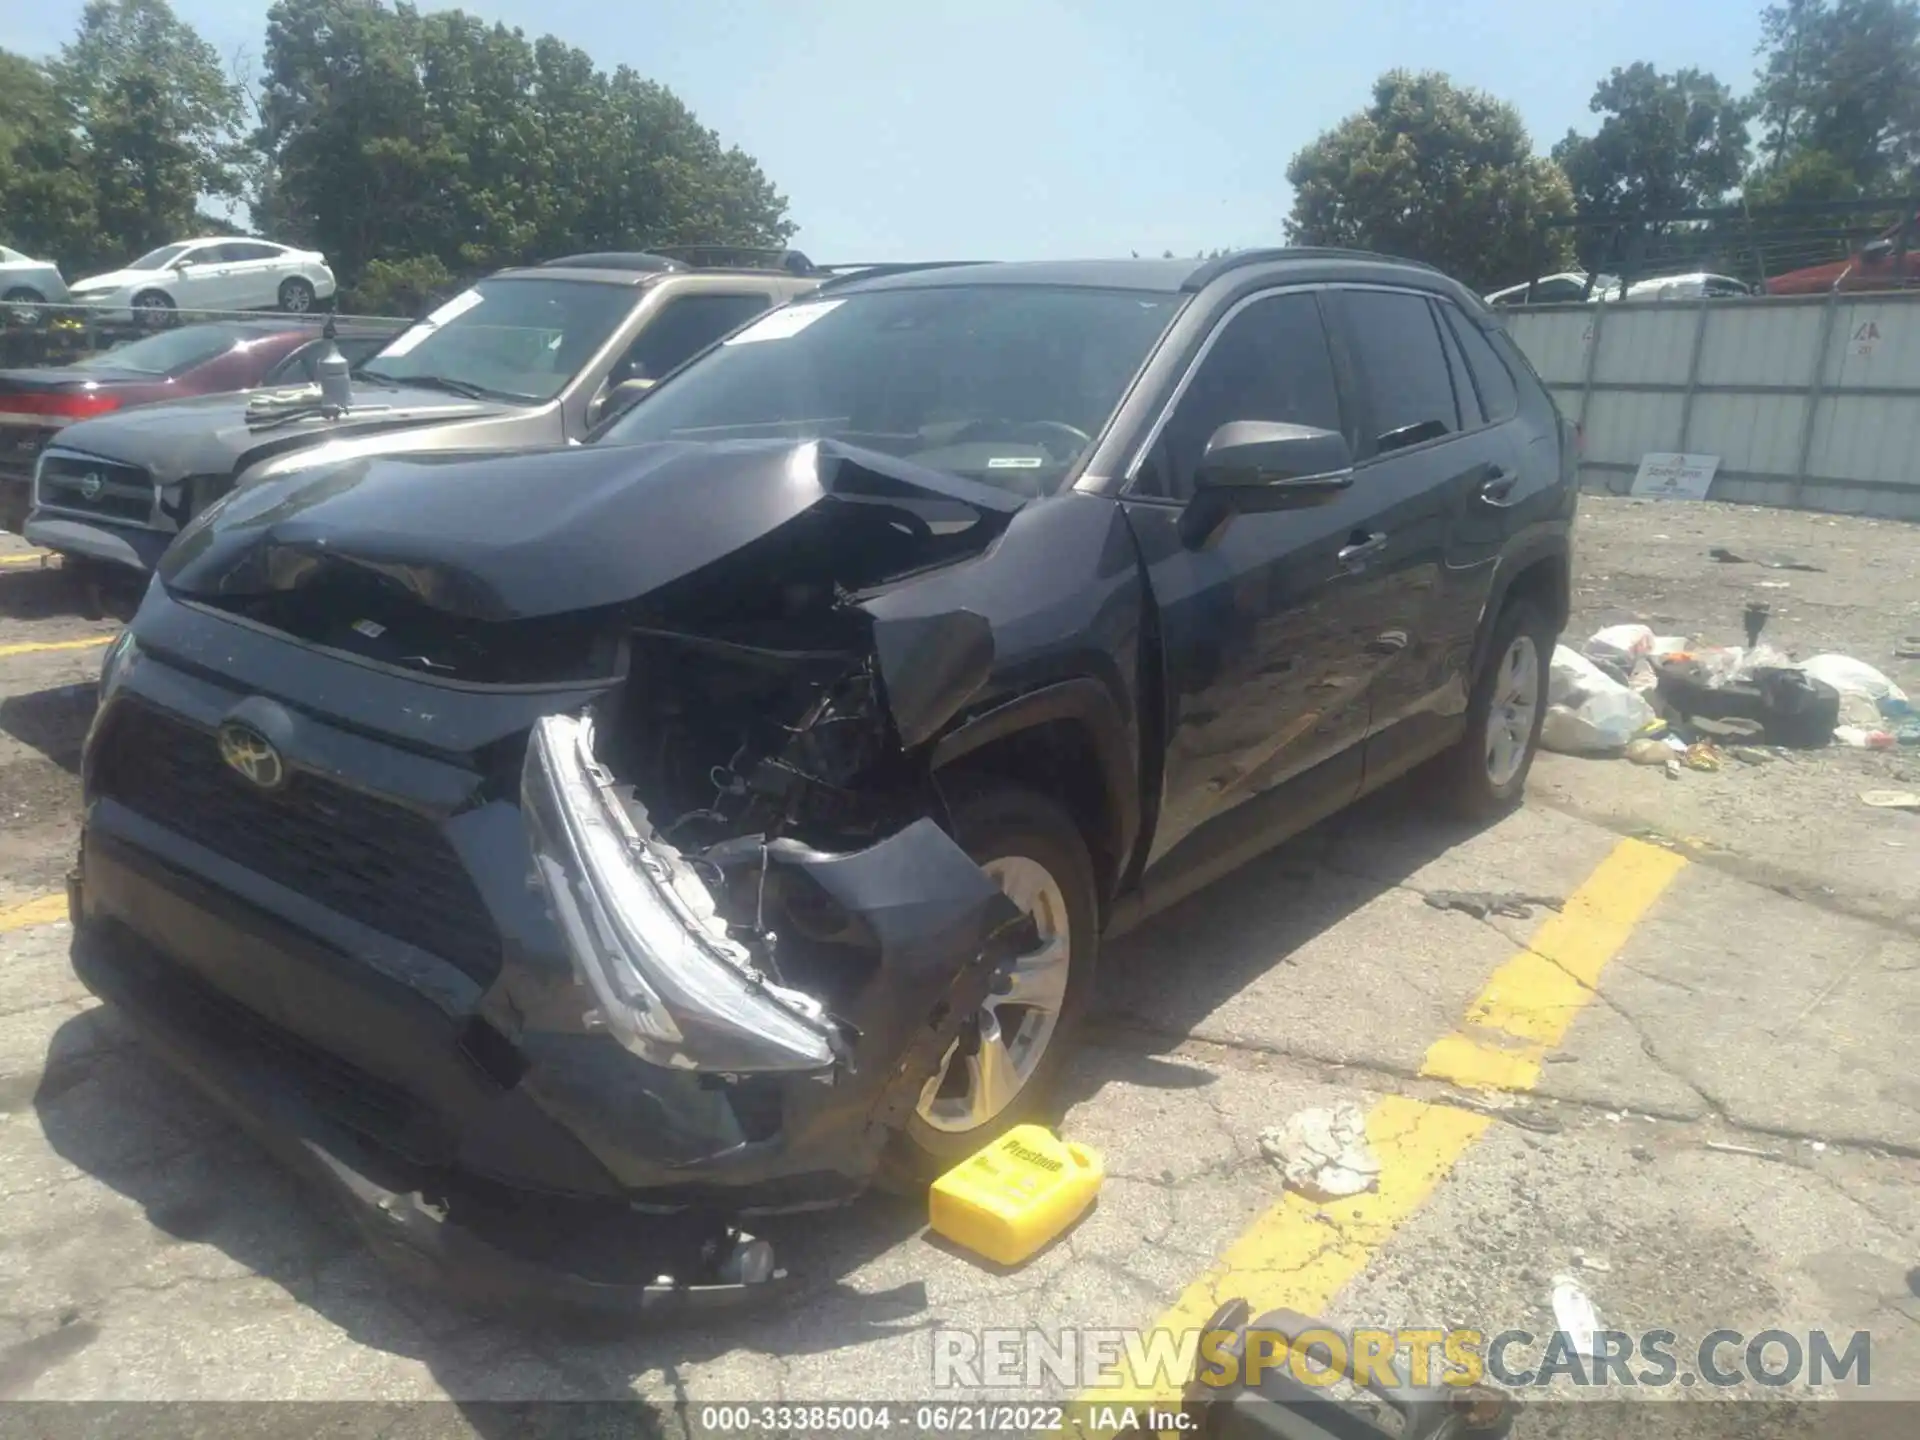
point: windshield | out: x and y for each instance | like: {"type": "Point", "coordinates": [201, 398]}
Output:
{"type": "Point", "coordinates": [1006, 384]}
{"type": "Point", "coordinates": [514, 339]}
{"type": "Point", "coordinates": [155, 259]}
{"type": "Point", "coordinates": [166, 354]}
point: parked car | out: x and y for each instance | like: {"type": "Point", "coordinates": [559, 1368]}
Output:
{"type": "Point", "coordinates": [614, 841]}
{"type": "Point", "coordinates": [1568, 287]}
{"type": "Point", "coordinates": [37, 404]}
{"type": "Point", "coordinates": [524, 358]}
{"type": "Point", "coordinates": [217, 273]}
{"type": "Point", "coordinates": [1699, 284]}
{"type": "Point", "coordinates": [29, 282]}
{"type": "Point", "coordinates": [1881, 264]}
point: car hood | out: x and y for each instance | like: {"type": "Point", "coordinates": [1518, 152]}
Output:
{"type": "Point", "coordinates": [213, 434]}
{"type": "Point", "coordinates": [119, 279]}
{"type": "Point", "coordinates": [543, 533]}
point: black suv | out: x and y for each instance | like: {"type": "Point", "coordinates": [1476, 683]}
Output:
{"type": "Point", "coordinates": [713, 817]}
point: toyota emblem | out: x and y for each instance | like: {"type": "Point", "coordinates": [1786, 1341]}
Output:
{"type": "Point", "coordinates": [251, 755]}
{"type": "Point", "coordinates": [91, 485]}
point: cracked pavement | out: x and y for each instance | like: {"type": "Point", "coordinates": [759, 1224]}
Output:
{"type": "Point", "coordinates": [1728, 1137]}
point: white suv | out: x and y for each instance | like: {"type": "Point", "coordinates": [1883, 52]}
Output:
{"type": "Point", "coordinates": [213, 274]}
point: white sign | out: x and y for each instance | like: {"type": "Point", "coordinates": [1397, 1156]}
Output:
{"type": "Point", "coordinates": [1675, 477]}
{"type": "Point", "coordinates": [780, 324]}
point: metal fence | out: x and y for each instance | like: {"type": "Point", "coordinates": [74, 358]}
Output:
{"type": "Point", "coordinates": [1810, 402]}
{"type": "Point", "coordinates": [33, 335]}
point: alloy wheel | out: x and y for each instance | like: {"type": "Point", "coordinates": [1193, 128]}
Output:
{"type": "Point", "coordinates": [1511, 710]}
{"type": "Point", "coordinates": [985, 1070]}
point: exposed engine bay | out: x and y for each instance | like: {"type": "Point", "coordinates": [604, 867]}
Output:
{"type": "Point", "coordinates": [739, 838]}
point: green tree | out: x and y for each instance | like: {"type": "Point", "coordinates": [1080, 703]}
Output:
{"type": "Point", "coordinates": [1435, 172]}
{"type": "Point", "coordinates": [156, 119]}
{"type": "Point", "coordinates": [392, 135]}
{"type": "Point", "coordinates": [1665, 142]}
{"type": "Point", "coordinates": [46, 205]}
{"type": "Point", "coordinates": [1842, 77]}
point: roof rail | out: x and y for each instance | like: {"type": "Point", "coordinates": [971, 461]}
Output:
{"type": "Point", "coordinates": [714, 256]}
{"type": "Point", "coordinates": [642, 261]}
{"type": "Point", "coordinates": [1206, 274]}
{"type": "Point", "coordinates": [845, 274]}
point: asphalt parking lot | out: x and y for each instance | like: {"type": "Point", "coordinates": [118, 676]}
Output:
{"type": "Point", "coordinates": [1691, 1088]}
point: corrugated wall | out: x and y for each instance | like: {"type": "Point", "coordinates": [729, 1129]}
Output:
{"type": "Point", "coordinates": [1809, 401]}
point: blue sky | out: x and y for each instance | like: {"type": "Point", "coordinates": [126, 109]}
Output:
{"type": "Point", "coordinates": [1014, 129]}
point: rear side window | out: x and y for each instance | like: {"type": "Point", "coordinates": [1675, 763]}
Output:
{"type": "Point", "coordinates": [683, 328]}
{"type": "Point", "coordinates": [1403, 369]}
{"type": "Point", "coordinates": [1491, 379]}
{"type": "Point", "coordinates": [1269, 362]}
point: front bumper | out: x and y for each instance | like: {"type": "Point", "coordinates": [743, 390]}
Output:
{"type": "Point", "coordinates": [480, 1245]}
{"type": "Point", "coordinates": [370, 941]}
{"type": "Point", "coordinates": [127, 547]}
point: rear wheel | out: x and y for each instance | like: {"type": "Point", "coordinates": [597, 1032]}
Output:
{"type": "Point", "coordinates": [1486, 772]}
{"type": "Point", "coordinates": [24, 295]}
{"type": "Point", "coordinates": [1003, 1067]}
{"type": "Point", "coordinates": [296, 295]}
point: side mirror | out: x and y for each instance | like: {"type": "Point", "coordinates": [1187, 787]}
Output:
{"type": "Point", "coordinates": [1877, 249]}
{"type": "Point", "coordinates": [619, 398]}
{"type": "Point", "coordinates": [1257, 466]}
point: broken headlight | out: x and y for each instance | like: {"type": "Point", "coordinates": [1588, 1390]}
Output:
{"type": "Point", "coordinates": [672, 985]}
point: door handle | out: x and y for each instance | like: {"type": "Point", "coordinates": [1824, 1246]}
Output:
{"type": "Point", "coordinates": [1497, 488]}
{"type": "Point", "coordinates": [1360, 546]}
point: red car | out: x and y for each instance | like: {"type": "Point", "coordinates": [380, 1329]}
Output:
{"type": "Point", "coordinates": [1880, 265]}
{"type": "Point", "coordinates": [192, 360]}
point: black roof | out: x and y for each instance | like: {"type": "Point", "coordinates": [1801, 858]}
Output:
{"type": "Point", "coordinates": [1160, 276]}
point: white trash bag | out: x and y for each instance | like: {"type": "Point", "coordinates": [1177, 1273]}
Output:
{"type": "Point", "coordinates": [1588, 711]}
{"type": "Point", "coordinates": [1852, 677]}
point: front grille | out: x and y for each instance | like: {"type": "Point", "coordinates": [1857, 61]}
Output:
{"type": "Point", "coordinates": [81, 485]}
{"type": "Point", "coordinates": [367, 859]}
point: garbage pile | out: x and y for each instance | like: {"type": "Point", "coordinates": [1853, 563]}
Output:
{"type": "Point", "coordinates": [1660, 700]}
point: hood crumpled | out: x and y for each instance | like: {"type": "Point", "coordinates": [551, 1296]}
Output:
{"type": "Point", "coordinates": [521, 536]}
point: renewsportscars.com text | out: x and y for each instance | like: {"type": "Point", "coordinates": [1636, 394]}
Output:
{"type": "Point", "coordinates": [1092, 1360]}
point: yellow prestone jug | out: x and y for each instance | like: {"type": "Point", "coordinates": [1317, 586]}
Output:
{"type": "Point", "coordinates": [1009, 1199]}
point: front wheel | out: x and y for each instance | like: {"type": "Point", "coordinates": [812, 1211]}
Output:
{"type": "Point", "coordinates": [1003, 1067]}
{"type": "Point", "coordinates": [296, 295]}
{"type": "Point", "coordinates": [154, 307]}
{"type": "Point", "coordinates": [1485, 773]}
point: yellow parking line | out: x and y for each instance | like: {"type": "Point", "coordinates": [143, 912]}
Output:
{"type": "Point", "coordinates": [1299, 1254]}
{"type": "Point", "coordinates": [43, 910]}
{"type": "Point", "coordinates": [34, 647]}
{"type": "Point", "coordinates": [31, 557]}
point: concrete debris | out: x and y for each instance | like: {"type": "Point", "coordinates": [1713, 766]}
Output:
{"type": "Point", "coordinates": [1891, 799]}
{"type": "Point", "coordinates": [1514, 904]}
{"type": "Point", "coordinates": [1575, 1317]}
{"type": "Point", "coordinates": [1596, 1263]}
{"type": "Point", "coordinates": [1323, 1153]}
{"type": "Point", "coordinates": [1726, 1147]}
{"type": "Point", "coordinates": [1770, 562]}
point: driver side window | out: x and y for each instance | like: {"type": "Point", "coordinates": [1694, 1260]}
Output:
{"type": "Point", "coordinates": [1269, 362]}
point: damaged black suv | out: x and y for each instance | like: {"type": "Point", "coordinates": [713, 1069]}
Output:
{"type": "Point", "coordinates": [566, 856]}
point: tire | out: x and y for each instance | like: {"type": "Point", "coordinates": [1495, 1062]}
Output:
{"type": "Point", "coordinates": [155, 307]}
{"type": "Point", "coordinates": [296, 295]}
{"type": "Point", "coordinates": [1478, 778]}
{"type": "Point", "coordinates": [24, 295]}
{"type": "Point", "coordinates": [1019, 832]}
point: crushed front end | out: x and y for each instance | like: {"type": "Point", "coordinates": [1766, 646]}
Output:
{"type": "Point", "coordinates": [560, 946]}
